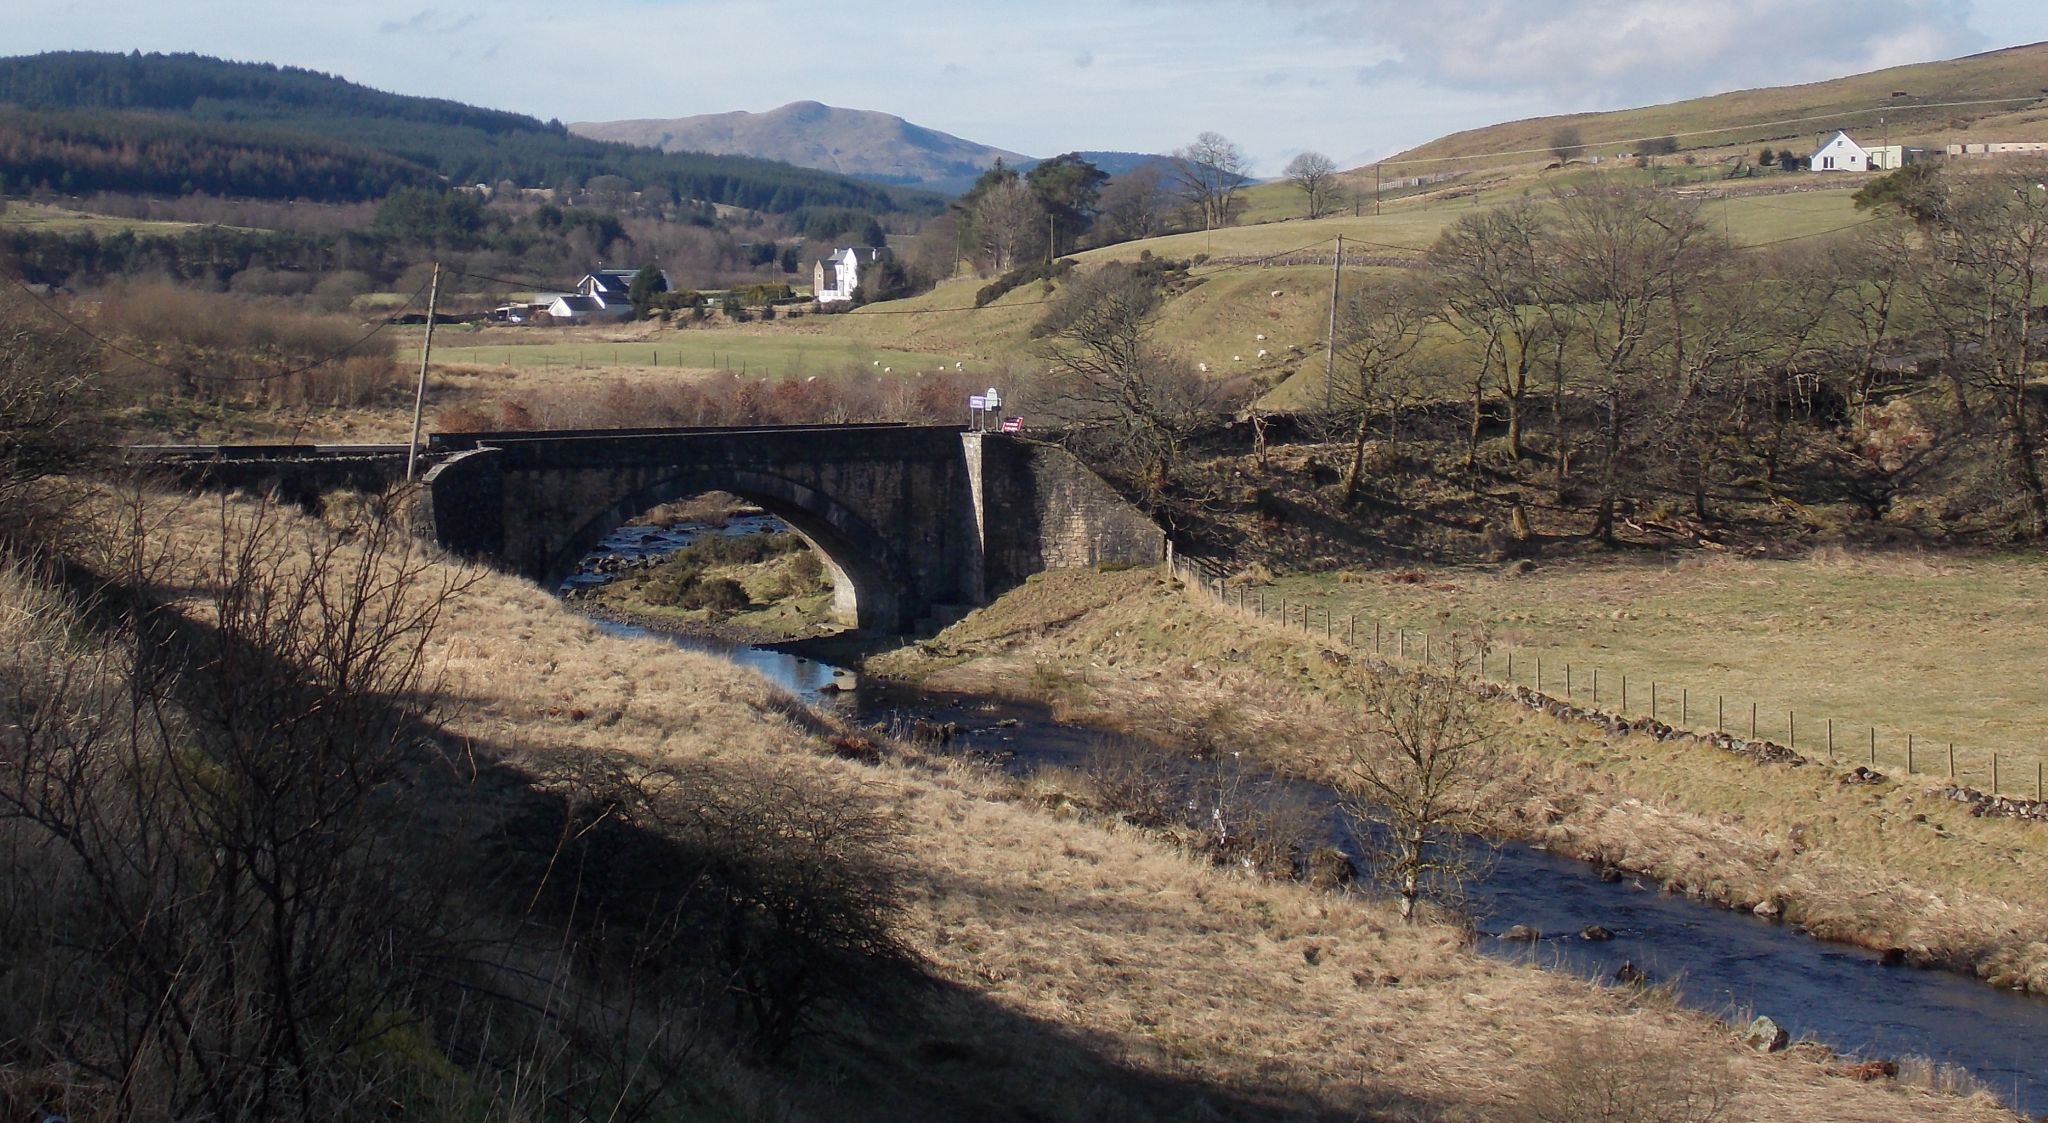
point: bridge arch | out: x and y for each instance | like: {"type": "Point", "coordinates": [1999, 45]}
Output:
{"type": "Point", "coordinates": [868, 574]}
{"type": "Point", "coordinates": [913, 521]}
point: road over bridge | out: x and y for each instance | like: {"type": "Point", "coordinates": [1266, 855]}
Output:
{"type": "Point", "coordinates": [912, 521]}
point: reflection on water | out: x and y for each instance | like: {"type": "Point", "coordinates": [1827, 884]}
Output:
{"type": "Point", "coordinates": [1730, 964]}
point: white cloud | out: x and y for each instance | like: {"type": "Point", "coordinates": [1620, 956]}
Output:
{"type": "Point", "coordinates": [1640, 51]}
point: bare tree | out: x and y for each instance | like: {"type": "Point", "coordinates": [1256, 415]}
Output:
{"type": "Point", "coordinates": [1211, 170]}
{"type": "Point", "coordinates": [1489, 266]}
{"type": "Point", "coordinates": [1567, 144]}
{"type": "Point", "coordinates": [1419, 773]}
{"type": "Point", "coordinates": [1379, 330]}
{"type": "Point", "coordinates": [1982, 278]}
{"type": "Point", "coordinates": [1009, 225]}
{"type": "Point", "coordinates": [1130, 402]}
{"type": "Point", "coordinates": [1316, 176]}
{"type": "Point", "coordinates": [1132, 206]}
{"type": "Point", "coordinates": [1628, 260]}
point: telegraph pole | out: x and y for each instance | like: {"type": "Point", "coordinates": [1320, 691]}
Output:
{"type": "Point", "coordinates": [1330, 344]}
{"type": "Point", "coordinates": [1377, 171]}
{"type": "Point", "coordinates": [419, 398]}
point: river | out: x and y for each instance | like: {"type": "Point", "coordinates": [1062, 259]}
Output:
{"type": "Point", "coordinates": [1730, 964]}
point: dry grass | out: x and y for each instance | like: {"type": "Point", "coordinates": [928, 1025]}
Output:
{"type": "Point", "coordinates": [1887, 866]}
{"type": "Point", "coordinates": [1945, 647]}
{"type": "Point", "coordinates": [1088, 970]}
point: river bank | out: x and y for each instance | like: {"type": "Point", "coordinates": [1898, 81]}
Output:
{"type": "Point", "coordinates": [1889, 866]}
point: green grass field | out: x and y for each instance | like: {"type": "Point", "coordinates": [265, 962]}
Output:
{"type": "Point", "coordinates": [1219, 322]}
{"type": "Point", "coordinates": [1942, 648]}
{"type": "Point", "coordinates": [774, 353]}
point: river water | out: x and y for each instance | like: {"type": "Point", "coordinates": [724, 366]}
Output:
{"type": "Point", "coordinates": [1730, 964]}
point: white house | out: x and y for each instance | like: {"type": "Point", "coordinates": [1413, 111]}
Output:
{"type": "Point", "coordinates": [834, 278]}
{"type": "Point", "coordinates": [1840, 154]}
{"type": "Point", "coordinates": [577, 308]}
{"type": "Point", "coordinates": [609, 287]}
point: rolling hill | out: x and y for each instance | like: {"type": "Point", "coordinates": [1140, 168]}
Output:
{"type": "Point", "coordinates": [200, 114]}
{"type": "Point", "coordinates": [853, 142]}
{"type": "Point", "coordinates": [2002, 92]}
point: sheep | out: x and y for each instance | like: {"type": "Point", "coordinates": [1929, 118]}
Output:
{"type": "Point", "coordinates": [1261, 337]}
{"type": "Point", "coordinates": [1203, 367]}
{"type": "Point", "coordinates": [1275, 294]}
{"type": "Point", "coordinates": [1262, 352]}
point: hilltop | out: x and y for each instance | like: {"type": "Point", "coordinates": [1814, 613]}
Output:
{"type": "Point", "coordinates": [853, 142]}
{"type": "Point", "coordinates": [2003, 92]}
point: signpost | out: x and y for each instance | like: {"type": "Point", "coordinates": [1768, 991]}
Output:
{"type": "Point", "coordinates": [979, 406]}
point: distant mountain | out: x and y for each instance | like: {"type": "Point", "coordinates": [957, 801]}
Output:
{"type": "Point", "coordinates": [85, 121]}
{"type": "Point", "coordinates": [1999, 95]}
{"type": "Point", "coordinates": [853, 142]}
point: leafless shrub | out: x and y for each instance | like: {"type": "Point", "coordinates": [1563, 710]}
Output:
{"type": "Point", "coordinates": [770, 899]}
{"type": "Point", "coordinates": [197, 805]}
{"type": "Point", "coordinates": [46, 386]}
{"type": "Point", "coordinates": [1611, 1074]}
{"type": "Point", "coordinates": [219, 348]}
{"type": "Point", "coordinates": [1137, 780]}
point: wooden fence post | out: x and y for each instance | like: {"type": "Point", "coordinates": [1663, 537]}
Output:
{"type": "Point", "coordinates": [1567, 682]}
{"type": "Point", "coordinates": [1831, 740]}
{"type": "Point", "coordinates": [1596, 686]}
{"type": "Point", "coordinates": [1909, 754]}
{"type": "Point", "coordinates": [1951, 760]}
{"type": "Point", "coordinates": [1653, 699]}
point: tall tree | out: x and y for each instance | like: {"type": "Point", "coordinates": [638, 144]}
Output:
{"type": "Point", "coordinates": [1489, 266]}
{"type": "Point", "coordinates": [1983, 276]}
{"type": "Point", "coordinates": [1378, 332]}
{"type": "Point", "coordinates": [1132, 206]}
{"type": "Point", "coordinates": [1211, 172]}
{"type": "Point", "coordinates": [1316, 176]}
{"type": "Point", "coordinates": [1627, 261]}
{"type": "Point", "coordinates": [1069, 189]}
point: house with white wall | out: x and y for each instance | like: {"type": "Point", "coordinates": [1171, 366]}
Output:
{"type": "Point", "coordinates": [1840, 154]}
{"type": "Point", "coordinates": [835, 277]}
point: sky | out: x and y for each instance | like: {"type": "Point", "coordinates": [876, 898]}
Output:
{"type": "Point", "coordinates": [1354, 79]}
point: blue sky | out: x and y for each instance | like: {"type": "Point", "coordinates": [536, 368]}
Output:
{"type": "Point", "coordinates": [1352, 78]}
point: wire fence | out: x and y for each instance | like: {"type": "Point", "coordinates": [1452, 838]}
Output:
{"type": "Point", "coordinates": [1842, 743]}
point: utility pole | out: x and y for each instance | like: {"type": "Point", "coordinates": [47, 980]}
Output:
{"type": "Point", "coordinates": [1330, 344]}
{"type": "Point", "coordinates": [1376, 182]}
{"type": "Point", "coordinates": [1050, 247]}
{"type": "Point", "coordinates": [419, 398]}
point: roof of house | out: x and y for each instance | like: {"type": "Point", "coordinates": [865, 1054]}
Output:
{"type": "Point", "coordinates": [576, 303]}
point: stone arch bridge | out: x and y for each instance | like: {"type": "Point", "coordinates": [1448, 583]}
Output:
{"type": "Point", "coordinates": [914, 522]}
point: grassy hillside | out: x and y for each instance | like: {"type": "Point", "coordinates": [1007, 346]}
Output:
{"type": "Point", "coordinates": [1253, 283]}
{"type": "Point", "coordinates": [1994, 96]}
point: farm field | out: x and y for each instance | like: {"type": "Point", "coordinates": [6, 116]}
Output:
{"type": "Point", "coordinates": [43, 217]}
{"type": "Point", "coordinates": [791, 352]}
{"type": "Point", "coordinates": [1945, 648]}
